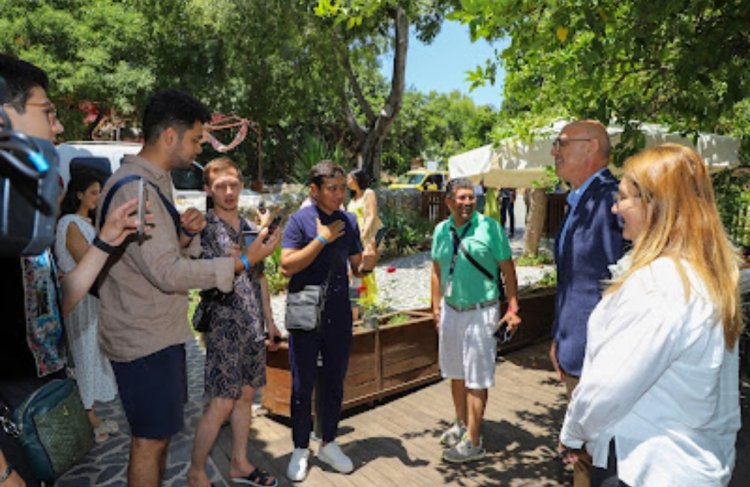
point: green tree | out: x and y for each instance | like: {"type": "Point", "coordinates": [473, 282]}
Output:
{"type": "Point", "coordinates": [435, 126]}
{"type": "Point", "coordinates": [684, 64]}
{"type": "Point", "coordinates": [85, 47]}
{"type": "Point", "coordinates": [365, 30]}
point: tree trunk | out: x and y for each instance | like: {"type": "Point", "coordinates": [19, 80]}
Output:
{"type": "Point", "coordinates": [535, 223]}
{"type": "Point", "coordinates": [371, 138]}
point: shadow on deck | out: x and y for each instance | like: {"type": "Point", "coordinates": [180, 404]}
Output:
{"type": "Point", "coordinates": [396, 442]}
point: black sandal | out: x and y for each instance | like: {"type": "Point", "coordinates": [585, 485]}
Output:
{"type": "Point", "coordinates": [256, 478]}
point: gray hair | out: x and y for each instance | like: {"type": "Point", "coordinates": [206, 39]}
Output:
{"type": "Point", "coordinates": [455, 184]}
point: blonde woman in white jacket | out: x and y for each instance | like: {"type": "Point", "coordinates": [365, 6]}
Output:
{"type": "Point", "coordinates": [658, 401]}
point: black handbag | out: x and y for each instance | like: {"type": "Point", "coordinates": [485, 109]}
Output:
{"type": "Point", "coordinates": [202, 315]}
{"type": "Point", "coordinates": [52, 427]}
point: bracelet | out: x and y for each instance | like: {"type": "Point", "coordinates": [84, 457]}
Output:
{"type": "Point", "coordinates": [245, 262]}
{"type": "Point", "coordinates": [103, 246]}
{"type": "Point", "coordinates": [514, 310]}
{"type": "Point", "coordinates": [322, 240]}
{"type": "Point", "coordinates": [7, 473]}
{"type": "Point", "coordinates": [188, 233]}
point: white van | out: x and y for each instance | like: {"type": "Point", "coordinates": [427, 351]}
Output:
{"type": "Point", "coordinates": [188, 183]}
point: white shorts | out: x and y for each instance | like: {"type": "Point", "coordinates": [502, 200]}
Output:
{"type": "Point", "coordinates": [467, 345]}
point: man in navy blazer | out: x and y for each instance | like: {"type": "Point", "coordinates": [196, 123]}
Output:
{"type": "Point", "coordinates": [589, 241]}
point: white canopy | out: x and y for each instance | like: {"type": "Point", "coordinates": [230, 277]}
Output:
{"type": "Point", "coordinates": [518, 164]}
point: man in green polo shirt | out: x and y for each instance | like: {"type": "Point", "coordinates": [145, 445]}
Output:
{"type": "Point", "coordinates": [465, 302]}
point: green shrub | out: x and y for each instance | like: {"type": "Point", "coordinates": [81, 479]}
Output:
{"type": "Point", "coordinates": [544, 257]}
{"type": "Point", "coordinates": [398, 319]}
{"type": "Point", "coordinates": [276, 281]}
{"type": "Point", "coordinates": [313, 150]}
{"type": "Point", "coordinates": [406, 231]}
{"type": "Point", "coordinates": [732, 190]}
{"type": "Point", "coordinates": [548, 280]}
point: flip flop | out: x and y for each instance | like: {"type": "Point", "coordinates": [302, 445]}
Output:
{"type": "Point", "coordinates": [256, 478]}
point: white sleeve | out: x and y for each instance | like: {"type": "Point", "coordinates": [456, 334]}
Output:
{"type": "Point", "coordinates": [637, 343]}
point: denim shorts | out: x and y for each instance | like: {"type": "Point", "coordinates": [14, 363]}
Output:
{"type": "Point", "coordinates": [153, 391]}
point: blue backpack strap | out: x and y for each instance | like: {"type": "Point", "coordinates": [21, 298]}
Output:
{"type": "Point", "coordinates": [128, 179]}
{"type": "Point", "coordinates": [108, 197]}
{"type": "Point", "coordinates": [170, 208]}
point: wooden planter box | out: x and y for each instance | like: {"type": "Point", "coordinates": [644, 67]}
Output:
{"type": "Point", "coordinates": [538, 314]}
{"type": "Point", "coordinates": [383, 361]}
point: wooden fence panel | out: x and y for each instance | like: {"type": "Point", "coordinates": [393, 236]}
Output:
{"type": "Point", "coordinates": [433, 206]}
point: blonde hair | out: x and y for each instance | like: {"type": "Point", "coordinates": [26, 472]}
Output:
{"type": "Point", "coordinates": [219, 165]}
{"type": "Point", "coordinates": [682, 222]}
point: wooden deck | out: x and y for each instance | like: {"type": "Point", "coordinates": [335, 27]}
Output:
{"type": "Point", "coordinates": [396, 442]}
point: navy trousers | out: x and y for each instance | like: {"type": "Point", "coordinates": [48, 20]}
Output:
{"type": "Point", "coordinates": [507, 213]}
{"type": "Point", "coordinates": [607, 477]}
{"type": "Point", "coordinates": [334, 342]}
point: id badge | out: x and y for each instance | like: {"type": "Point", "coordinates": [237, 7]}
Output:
{"type": "Point", "coordinates": [449, 288]}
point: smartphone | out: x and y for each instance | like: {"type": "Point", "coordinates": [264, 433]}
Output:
{"type": "Point", "coordinates": [248, 236]}
{"type": "Point", "coordinates": [141, 211]}
{"type": "Point", "coordinates": [503, 334]}
{"type": "Point", "coordinates": [273, 226]}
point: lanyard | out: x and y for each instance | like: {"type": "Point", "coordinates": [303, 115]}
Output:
{"type": "Point", "coordinates": [457, 244]}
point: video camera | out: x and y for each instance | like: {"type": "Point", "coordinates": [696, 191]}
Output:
{"type": "Point", "coordinates": [28, 190]}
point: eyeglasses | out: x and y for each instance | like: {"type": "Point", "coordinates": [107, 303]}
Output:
{"type": "Point", "coordinates": [619, 198]}
{"type": "Point", "coordinates": [49, 107]}
{"type": "Point", "coordinates": [558, 142]}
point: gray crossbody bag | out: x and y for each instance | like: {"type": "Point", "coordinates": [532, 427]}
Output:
{"type": "Point", "coordinates": [304, 308]}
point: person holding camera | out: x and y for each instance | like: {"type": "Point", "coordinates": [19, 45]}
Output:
{"type": "Point", "coordinates": [320, 243]}
{"type": "Point", "coordinates": [32, 340]}
{"type": "Point", "coordinates": [468, 251]}
{"type": "Point", "coordinates": [233, 331]}
{"type": "Point", "coordinates": [144, 294]}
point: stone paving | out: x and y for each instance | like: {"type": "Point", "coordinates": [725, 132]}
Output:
{"type": "Point", "coordinates": [107, 464]}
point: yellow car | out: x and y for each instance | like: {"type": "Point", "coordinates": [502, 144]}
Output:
{"type": "Point", "coordinates": [422, 180]}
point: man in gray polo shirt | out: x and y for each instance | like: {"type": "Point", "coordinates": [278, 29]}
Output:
{"type": "Point", "coordinates": [470, 317]}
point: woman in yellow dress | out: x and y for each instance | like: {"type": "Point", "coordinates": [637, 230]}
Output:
{"type": "Point", "coordinates": [364, 205]}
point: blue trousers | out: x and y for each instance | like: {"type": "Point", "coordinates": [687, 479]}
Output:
{"type": "Point", "coordinates": [334, 342]}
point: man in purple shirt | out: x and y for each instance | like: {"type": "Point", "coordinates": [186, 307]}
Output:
{"type": "Point", "coordinates": [313, 236]}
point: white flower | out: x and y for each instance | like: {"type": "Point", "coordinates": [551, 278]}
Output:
{"type": "Point", "coordinates": [621, 266]}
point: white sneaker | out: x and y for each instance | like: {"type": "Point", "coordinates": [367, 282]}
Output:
{"type": "Point", "coordinates": [464, 451]}
{"type": "Point", "coordinates": [333, 456]}
{"type": "Point", "coordinates": [297, 469]}
{"type": "Point", "coordinates": [453, 435]}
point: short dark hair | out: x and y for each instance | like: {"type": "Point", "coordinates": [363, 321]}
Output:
{"type": "Point", "coordinates": [20, 78]}
{"type": "Point", "coordinates": [79, 182]}
{"type": "Point", "coordinates": [324, 169]}
{"type": "Point", "coordinates": [171, 108]}
{"type": "Point", "coordinates": [455, 184]}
